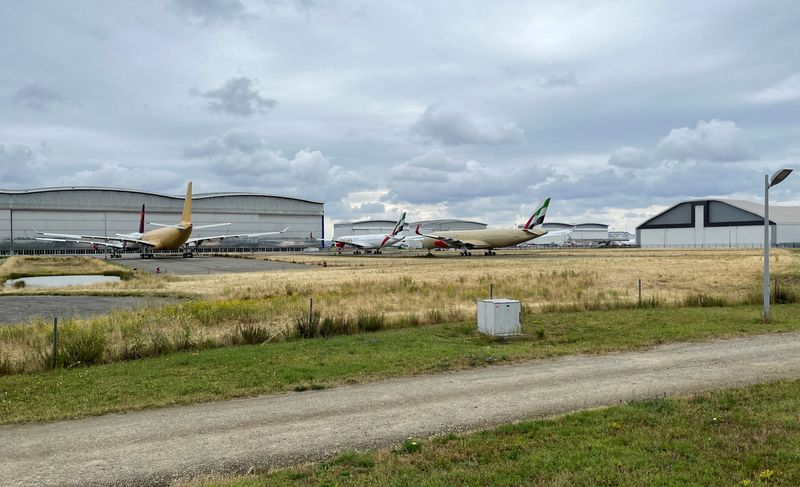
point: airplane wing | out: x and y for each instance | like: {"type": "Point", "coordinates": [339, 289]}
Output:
{"type": "Point", "coordinates": [454, 242]}
{"type": "Point", "coordinates": [555, 233]}
{"type": "Point", "coordinates": [116, 245]}
{"type": "Point", "coordinates": [199, 240]}
{"type": "Point", "coordinates": [104, 240]}
{"type": "Point", "coordinates": [181, 227]}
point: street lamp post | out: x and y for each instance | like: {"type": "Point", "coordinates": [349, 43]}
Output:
{"type": "Point", "coordinates": [779, 176]}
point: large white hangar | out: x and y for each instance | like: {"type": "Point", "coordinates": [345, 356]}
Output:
{"type": "Point", "coordinates": [720, 223]}
{"type": "Point", "coordinates": [385, 226]}
{"type": "Point", "coordinates": [108, 211]}
{"type": "Point", "coordinates": [583, 234]}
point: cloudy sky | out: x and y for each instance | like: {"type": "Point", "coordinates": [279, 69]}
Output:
{"type": "Point", "coordinates": [464, 109]}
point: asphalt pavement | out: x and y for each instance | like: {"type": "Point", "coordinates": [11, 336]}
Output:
{"type": "Point", "coordinates": [18, 309]}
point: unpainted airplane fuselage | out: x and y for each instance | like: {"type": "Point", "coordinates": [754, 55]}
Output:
{"type": "Point", "coordinates": [484, 239]}
{"type": "Point", "coordinates": [168, 238]}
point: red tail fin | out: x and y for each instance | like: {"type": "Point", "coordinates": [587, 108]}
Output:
{"type": "Point", "coordinates": [141, 221]}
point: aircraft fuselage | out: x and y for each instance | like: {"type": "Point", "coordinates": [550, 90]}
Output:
{"type": "Point", "coordinates": [484, 239]}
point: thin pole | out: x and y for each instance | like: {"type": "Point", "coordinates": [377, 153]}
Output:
{"type": "Point", "coordinates": [55, 340]}
{"type": "Point", "coordinates": [310, 310]}
{"type": "Point", "coordinates": [766, 249]}
{"type": "Point", "coordinates": [640, 293]}
{"type": "Point", "coordinates": [491, 291]}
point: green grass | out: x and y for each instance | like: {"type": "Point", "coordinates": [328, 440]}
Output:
{"type": "Point", "coordinates": [747, 436]}
{"type": "Point", "coordinates": [189, 377]}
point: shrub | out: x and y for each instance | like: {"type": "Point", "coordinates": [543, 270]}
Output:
{"type": "Point", "coordinates": [77, 346]}
{"type": "Point", "coordinates": [335, 326]}
{"type": "Point", "coordinates": [703, 301]}
{"type": "Point", "coordinates": [251, 334]}
{"type": "Point", "coordinates": [307, 325]}
{"type": "Point", "coordinates": [369, 322]}
{"type": "Point", "coordinates": [6, 367]}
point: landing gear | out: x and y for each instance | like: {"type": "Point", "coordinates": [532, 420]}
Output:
{"type": "Point", "coordinates": [188, 255]}
{"type": "Point", "coordinates": [378, 251]}
{"type": "Point", "coordinates": [490, 252]}
{"type": "Point", "coordinates": [465, 253]}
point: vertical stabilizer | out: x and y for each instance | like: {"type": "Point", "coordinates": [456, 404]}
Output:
{"type": "Point", "coordinates": [187, 205]}
{"type": "Point", "coordinates": [398, 227]}
{"type": "Point", "coordinates": [141, 220]}
{"type": "Point", "coordinates": [538, 216]}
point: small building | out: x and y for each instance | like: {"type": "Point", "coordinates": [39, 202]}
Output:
{"type": "Point", "coordinates": [726, 223]}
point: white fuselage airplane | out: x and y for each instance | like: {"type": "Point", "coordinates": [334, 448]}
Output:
{"type": "Point", "coordinates": [168, 237]}
{"type": "Point", "coordinates": [487, 239]}
{"type": "Point", "coordinates": [373, 241]}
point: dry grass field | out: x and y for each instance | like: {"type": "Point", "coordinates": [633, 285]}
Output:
{"type": "Point", "coordinates": [393, 291]}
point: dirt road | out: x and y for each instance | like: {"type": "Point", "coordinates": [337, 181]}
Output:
{"type": "Point", "coordinates": [155, 447]}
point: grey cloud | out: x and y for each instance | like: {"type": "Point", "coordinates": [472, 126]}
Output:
{"type": "Point", "coordinates": [35, 96]}
{"type": "Point", "coordinates": [18, 165]}
{"type": "Point", "coordinates": [210, 12]}
{"type": "Point", "coordinates": [244, 158]}
{"type": "Point", "coordinates": [783, 91]}
{"type": "Point", "coordinates": [558, 80]}
{"type": "Point", "coordinates": [237, 96]}
{"type": "Point", "coordinates": [450, 127]}
{"type": "Point", "coordinates": [423, 185]}
{"type": "Point", "coordinates": [113, 174]}
{"type": "Point", "coordinates": [630, 157]}
{"type": "Point", "coordinates": [717, 140]}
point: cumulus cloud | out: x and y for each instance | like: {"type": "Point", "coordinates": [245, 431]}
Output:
{"type": "Point", "coordinates": [450, 127]}
{"type": "Point", "coordinates": [717, 140]}
{"type": "Point", "coordinates": [238, 96]}
{"type": "Point", "coordinates": [558, 80]}
{"type": "Point", "coordinates": [439, 177]}
{"type": "Point", "coordinates": [18, 166]}
{"type": "Point", "coordinates": [245, 159]}
{"type": "Point", "coordinates": [116, 175]}
{"type": "Point", "coordinates": [211, 12]}
{"type": "Point", "coordinates": [786, 90]}
{"type": "Point", "coordinates": [630, 157]}
{"type": "Point", "coordinates": [35, 96]}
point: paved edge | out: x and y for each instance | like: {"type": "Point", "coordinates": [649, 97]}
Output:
{"type": "Point", "coordinates": [273, 431]}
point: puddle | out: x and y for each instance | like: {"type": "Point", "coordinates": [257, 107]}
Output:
{"type": "Point", "coordinates": [60, 281]}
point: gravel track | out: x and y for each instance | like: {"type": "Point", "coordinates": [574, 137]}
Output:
{"type": "Point", "coordinates": [155, 447]}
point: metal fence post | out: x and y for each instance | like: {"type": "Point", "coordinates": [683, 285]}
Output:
{"type": "Point", "coordinates": [55, 340]}
{"type": "Point", "coordinates": [640, 293]}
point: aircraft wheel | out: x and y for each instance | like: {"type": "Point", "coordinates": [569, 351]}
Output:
{"type": "Point", "coordinates": [191, 255]}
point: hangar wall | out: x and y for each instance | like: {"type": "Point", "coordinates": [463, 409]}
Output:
{"type": "Point", "coordinates": [107, 211]}
{"type": "Point", "coordinates": [719, 224]}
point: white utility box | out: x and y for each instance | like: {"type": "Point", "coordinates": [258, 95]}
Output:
{"type": "Point", "coordinates": [499, 317]}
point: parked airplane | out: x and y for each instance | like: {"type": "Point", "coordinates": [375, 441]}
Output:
{"type": "Point", "coordinates": [488, 239]}
{"type": "Point", "coordinates": [169, 237]}
{"type": "Point", "coordinates": [370, 242]}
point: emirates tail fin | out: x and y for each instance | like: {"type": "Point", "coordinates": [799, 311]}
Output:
{"type": "Point", "coordinates": [538, 216]}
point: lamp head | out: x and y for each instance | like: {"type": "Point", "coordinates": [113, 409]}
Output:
{"type": "Point", "coordinates": [779, 176]}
